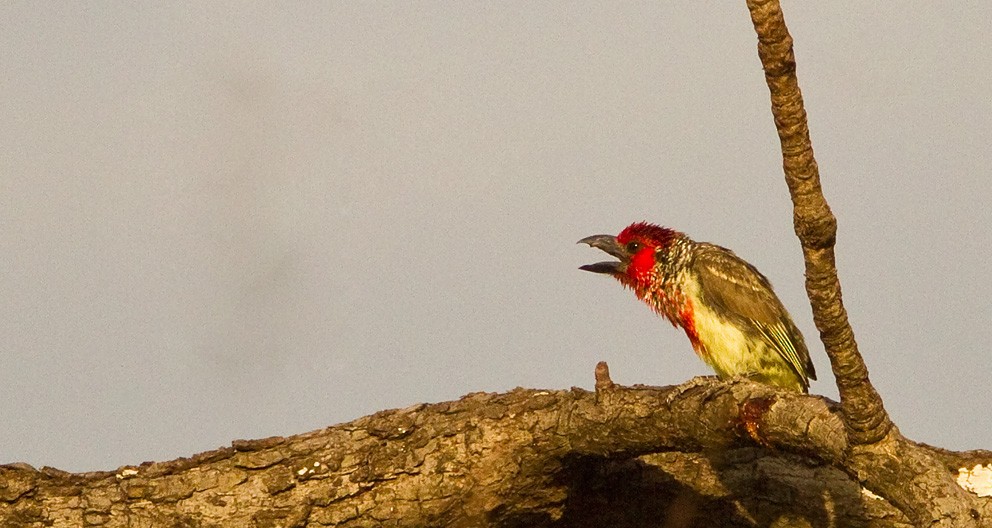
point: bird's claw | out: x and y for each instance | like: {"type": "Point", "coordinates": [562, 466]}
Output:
{"type": "Point", "coordinates": [684, 387]}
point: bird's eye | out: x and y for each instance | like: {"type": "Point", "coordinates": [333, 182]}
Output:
{"type": "Point", "coordinates": [633, 247]}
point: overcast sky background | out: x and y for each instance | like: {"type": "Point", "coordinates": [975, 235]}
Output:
{"type": "Point", "coordinates": [224, 221]}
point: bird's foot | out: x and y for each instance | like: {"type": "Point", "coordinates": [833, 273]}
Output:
{"type": "Point", "coordinates": [682, 388]}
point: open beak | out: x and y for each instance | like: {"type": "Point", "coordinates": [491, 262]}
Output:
{"type": "Point", "coordinates": [609, 244]}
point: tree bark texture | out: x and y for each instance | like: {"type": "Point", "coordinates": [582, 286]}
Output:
{"type": "Point", "coordinates": [718, 454]}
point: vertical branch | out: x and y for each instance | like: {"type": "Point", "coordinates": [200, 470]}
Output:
{"type": "Point", "coordinates": [864, 415]}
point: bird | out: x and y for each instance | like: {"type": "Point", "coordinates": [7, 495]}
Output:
{"type": "Point", "coordinates": [727, 308]}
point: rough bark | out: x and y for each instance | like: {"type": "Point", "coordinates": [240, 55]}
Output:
{"type": "Point", "coordinates": [879, 456]}
{"type": "Point", "coordinates": [718, 454]}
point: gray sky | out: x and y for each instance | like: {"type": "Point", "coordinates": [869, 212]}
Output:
{"type": "Point", "coordinates": [234, 221]}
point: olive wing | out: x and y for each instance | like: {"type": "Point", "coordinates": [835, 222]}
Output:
{"type": "Point", "coordinates": [741, 291]}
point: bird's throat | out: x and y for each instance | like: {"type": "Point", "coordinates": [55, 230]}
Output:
{"type": "Point", "coordinates": [673, 304]}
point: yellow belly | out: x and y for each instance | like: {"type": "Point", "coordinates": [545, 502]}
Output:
{"type": "Point", "coordinates": [730, 352]}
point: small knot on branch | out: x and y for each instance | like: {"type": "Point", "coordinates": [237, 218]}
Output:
{"type": "Point", "coordinates": [815, 224]}
{"type": "Point", "coordinates": [752, 415]}
{"type": "Point", "coordinates": [603, 381]}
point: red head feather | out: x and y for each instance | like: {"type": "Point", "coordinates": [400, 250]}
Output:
{"type": "Point", "coordinates": [647, 234]}
{"type": "Point", "coordinates": [643, 240]}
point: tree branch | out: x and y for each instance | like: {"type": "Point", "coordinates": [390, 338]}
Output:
{"type": "Point", "coordinates": [622, 456]}
{"type": "Point", "coordinates": [816, 227]}
{"type": "Point", "coordinates": [879, 456]}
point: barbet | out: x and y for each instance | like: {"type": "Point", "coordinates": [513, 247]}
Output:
{"type": "Point", "coordinates": [730, 313]}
